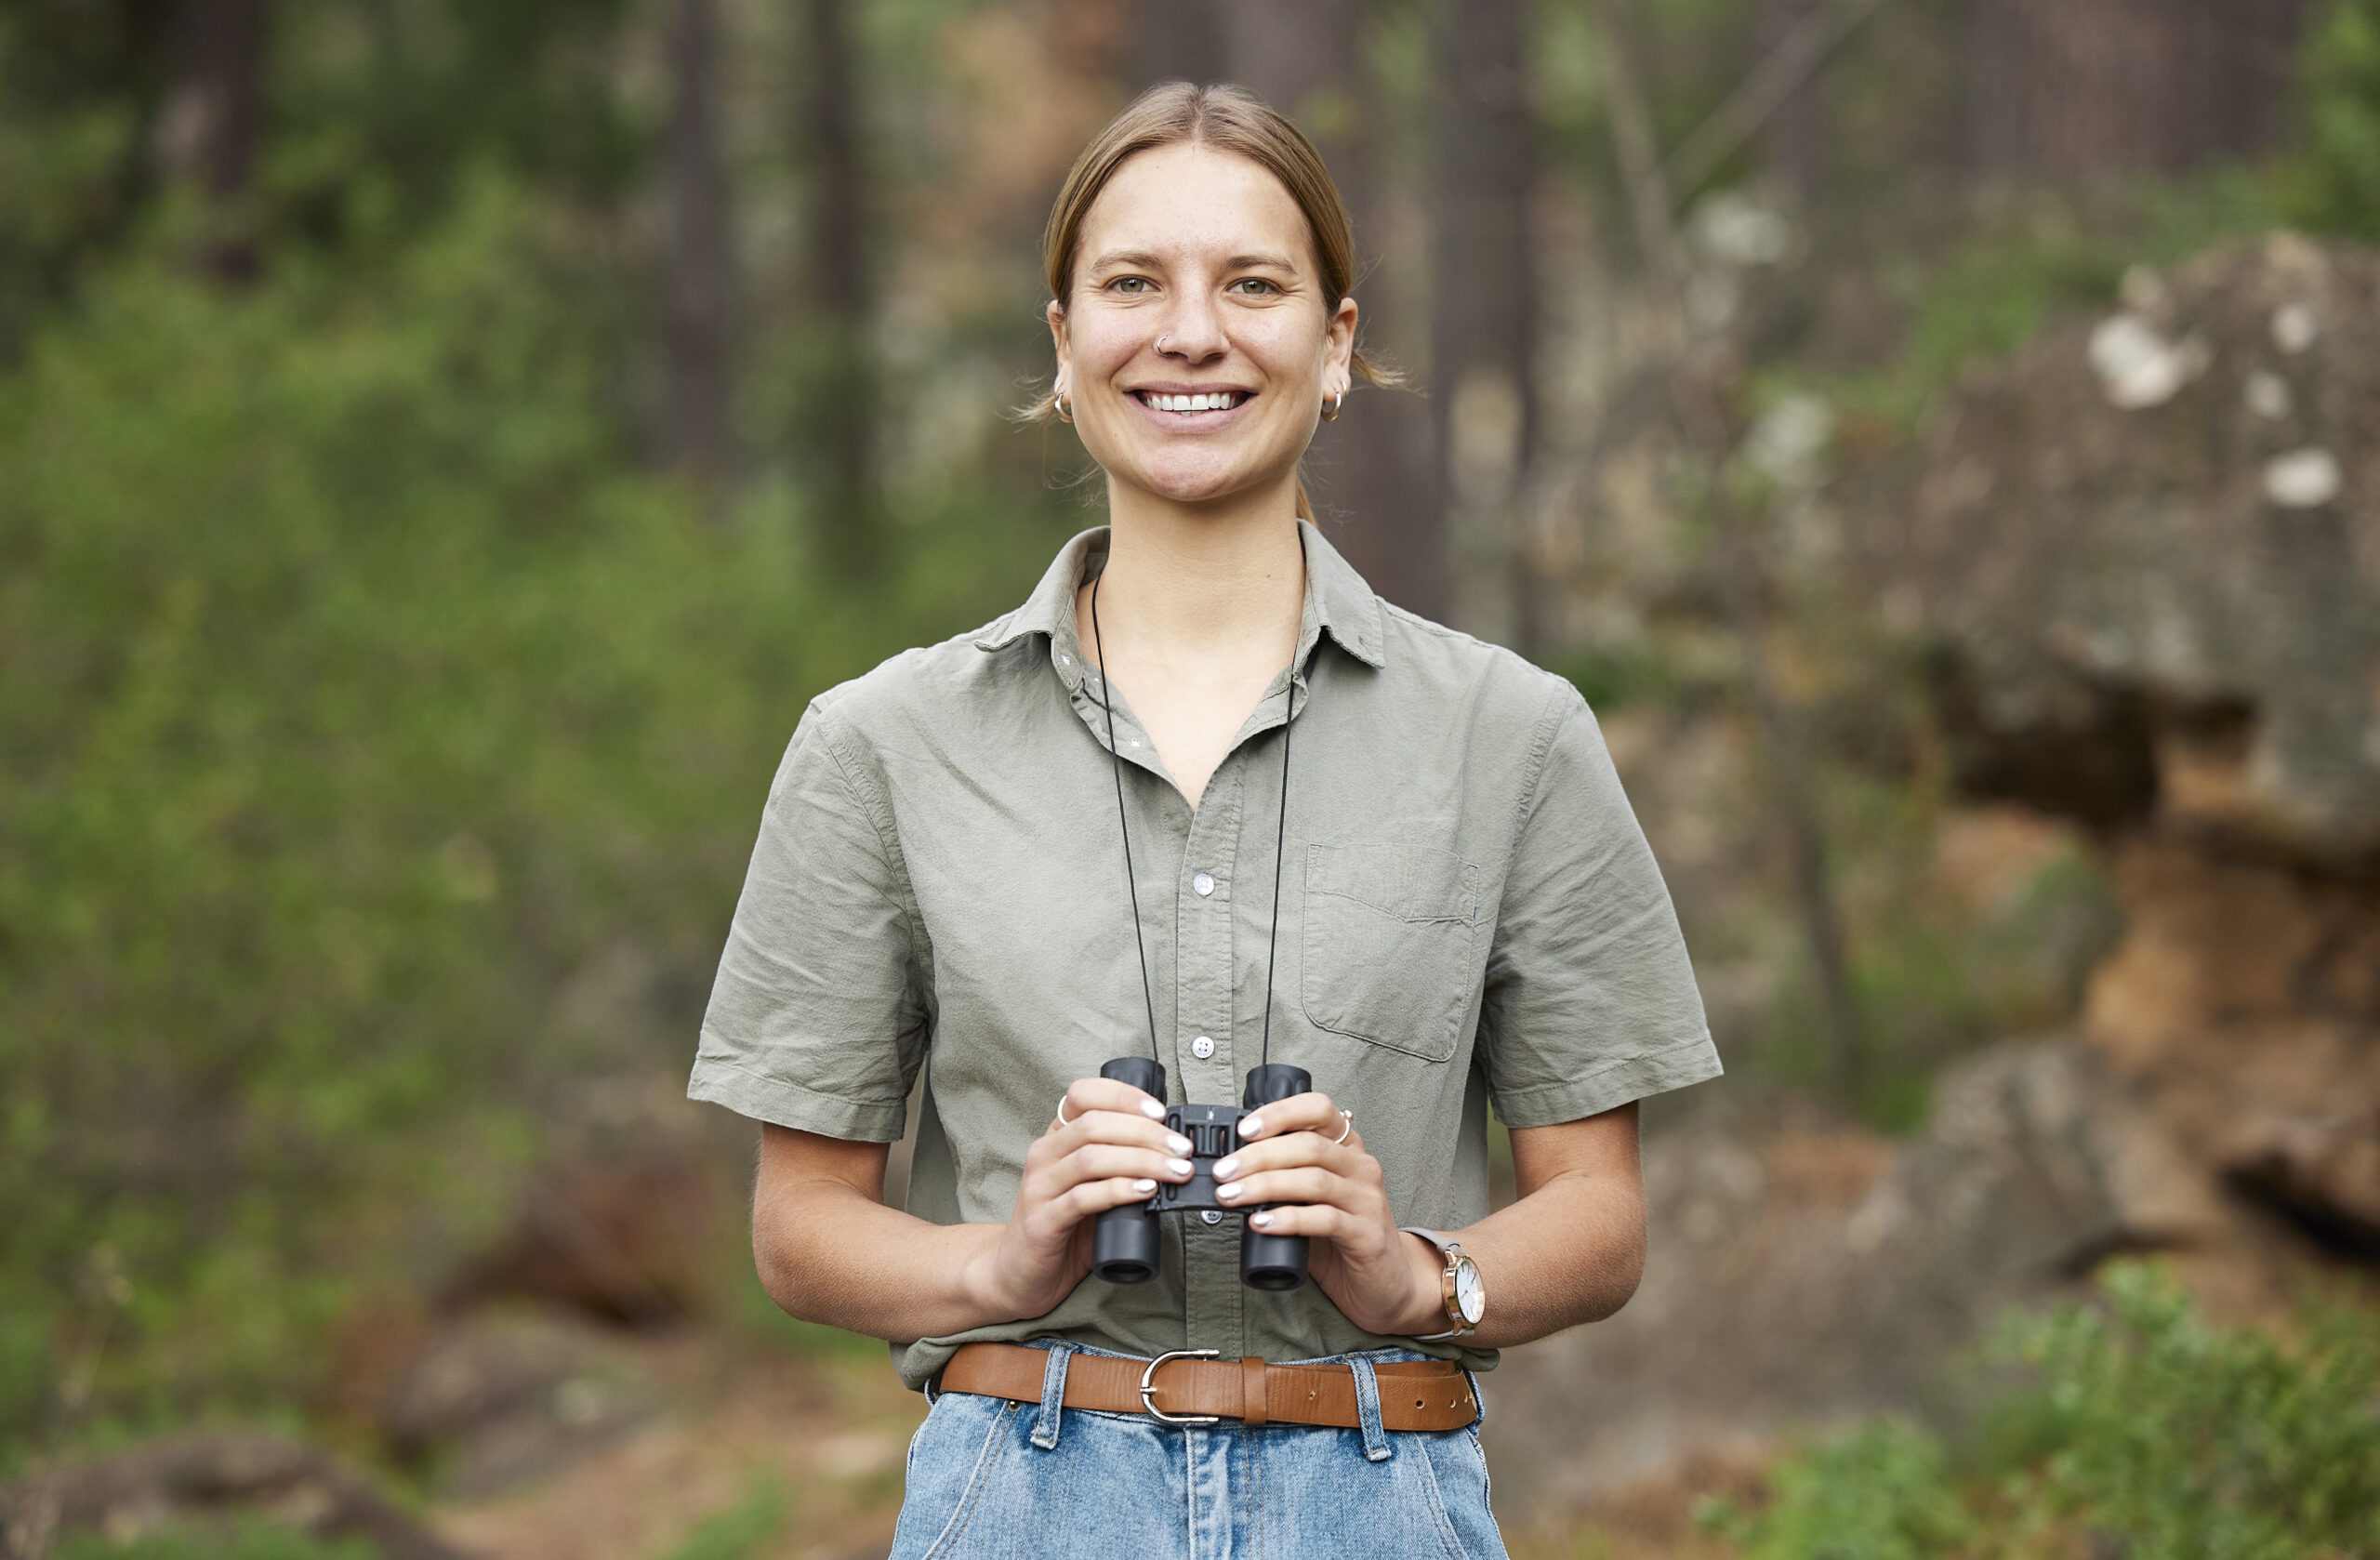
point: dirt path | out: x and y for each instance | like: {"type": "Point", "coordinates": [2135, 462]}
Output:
{"type": "Point", "coordinates": [758, 1457]}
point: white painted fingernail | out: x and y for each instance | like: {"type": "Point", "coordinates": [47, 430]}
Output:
{"type": "Point", "coordinates": [1260, 1221]}
{"type": "Point", "coordinates": [1150, 1109]}
{"type": "Point", "coordinates": [1143, 1185]}
{"type": "Point", "coordinates": [1250, 1126]}
{"type": "Point", "coordinates": [1179, 1144]}
{"type": "Point", "coordinates": [1226, 1170]}
{"type": "Point", "coordinates": [1179, 1166]}
{"type": "Point", "coordinates": [1225, 1194]}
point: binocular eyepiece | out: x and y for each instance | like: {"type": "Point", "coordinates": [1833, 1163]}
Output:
{"type": "Point", "coordinates": [1125, 1242]}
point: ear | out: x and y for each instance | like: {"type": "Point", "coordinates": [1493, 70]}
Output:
{"type": "Point", "coordinates": [1339, 349]}
{"type": "Point", "coordinates": [1057, 318]}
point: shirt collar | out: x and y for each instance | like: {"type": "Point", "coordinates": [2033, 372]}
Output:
{"type": "Point", "coordinates": [1337, 600]}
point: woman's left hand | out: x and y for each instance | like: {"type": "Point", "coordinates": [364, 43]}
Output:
{"type": "Point", "coordinates": [1385, 1281]}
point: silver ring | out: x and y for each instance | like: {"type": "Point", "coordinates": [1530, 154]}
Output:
{"type": "Point", "coordinates": [1347, 1120]}
{"type": "Point", "coordinates": [1148, 1386]}
{"type": "Point", "coordinates": [1163, 339]}
{"type": "Point", "coordinates": [1061, 1111]}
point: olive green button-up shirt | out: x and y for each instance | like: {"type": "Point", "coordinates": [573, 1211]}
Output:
{"type": "Point", "coordinates": [1468, 913]}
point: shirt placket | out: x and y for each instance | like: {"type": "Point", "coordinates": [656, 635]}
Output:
{"type": "Point", "coordinates": [1204, 889]}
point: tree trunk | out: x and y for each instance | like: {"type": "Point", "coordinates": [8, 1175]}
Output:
{"type": "Point", "coordinates": [1369, 473]}
{"type": "Point", "coordinates": [1177, 40]}
{"type": "Point", "coordinates": [1793, 140]}
{"type": "Point", "coordinates": [1483, 305]}
{"type": "Point", "coordinates": [2129, 86]}
{"type": "Point", "coordinates": [840, 415]}
{"type": "Point", "coordinates": [699, 286]}
{"type": "Point", "coordinates": [210, 128]}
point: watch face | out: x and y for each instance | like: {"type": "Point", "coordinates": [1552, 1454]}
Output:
{"type": "Point", "coordinates": [1469, 1292]}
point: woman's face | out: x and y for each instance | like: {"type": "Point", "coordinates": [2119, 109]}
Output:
{"type": "Point", "coordinates": [1197, 347]}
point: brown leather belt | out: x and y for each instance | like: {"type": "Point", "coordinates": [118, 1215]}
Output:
{"type": "Point", "coordinates": [1414, 1395]}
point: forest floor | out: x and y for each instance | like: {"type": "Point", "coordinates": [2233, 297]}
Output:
{"type": "Point", "coordinates": [759, 1452]}
{"type": "Point", "coordinates": [756, 1454]}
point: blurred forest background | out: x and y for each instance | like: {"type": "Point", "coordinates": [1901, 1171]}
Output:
{"type": "Point", "coordinates": [444, 444]}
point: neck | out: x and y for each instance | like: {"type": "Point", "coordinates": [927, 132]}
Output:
{"type": "Point", "coordinates": [1191, 576]}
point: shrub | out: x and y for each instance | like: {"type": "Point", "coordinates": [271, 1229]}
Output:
{"type": "Point", "coordinates": [2149, 1433]}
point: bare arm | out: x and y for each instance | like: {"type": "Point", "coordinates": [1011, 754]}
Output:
{"type": "Point", "coordinates": [1571, 1247]}
{"type": "Point", "coordinates": [1569, 1250]}
{"type": "Point", "coordinates": [828, 1250]}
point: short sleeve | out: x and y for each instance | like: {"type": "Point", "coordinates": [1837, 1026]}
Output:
{"type": "Point", "coordinates": [818, 1018]}
{"type": "Point", "coordinates": [1589, 1000]}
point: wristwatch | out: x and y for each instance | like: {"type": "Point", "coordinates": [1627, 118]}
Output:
{"type": "Point", "coordinates": [1465, 1292]}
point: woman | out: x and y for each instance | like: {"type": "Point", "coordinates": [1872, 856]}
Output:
{"type": "Point", "coordinates": [1439, 899]}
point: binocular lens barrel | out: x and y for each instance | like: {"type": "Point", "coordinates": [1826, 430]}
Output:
{"type": "Point", "coordinates": [1272, 1262]}
{"type": "Point", "coordinates": [1123, 1242]}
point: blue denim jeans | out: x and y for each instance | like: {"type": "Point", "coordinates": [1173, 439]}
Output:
{"type": "Point", "coordinates": [988, 1477]}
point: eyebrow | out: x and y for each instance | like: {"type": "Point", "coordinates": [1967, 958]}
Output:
{"type": "Point", "coordinates": [1237, 262]}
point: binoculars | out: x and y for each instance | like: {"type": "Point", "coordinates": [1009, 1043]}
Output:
{"type": "Point", "coordinates": [1125, 1242]}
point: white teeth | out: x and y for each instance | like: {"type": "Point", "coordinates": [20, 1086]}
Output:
{"type": "Point", "coordinates": [1219, 401]}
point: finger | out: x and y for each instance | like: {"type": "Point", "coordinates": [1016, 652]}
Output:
{"type": "Point", "coordinates": [1315, 1221]}
{"type": "Point", "coordinates": [1299, 1148]}
{"type": "Point", "coordinates": [1099, 1161]}
{"type": "Point", "coordinates": [1106, 1093]}
{"type": "Point", "coordinates": [1310, 1112]}
{"type": "Point", "coordinates": [1307, 1183]}
{"type": "Point", "coordinates": [1117, 1126]}
{"type": "Point", "coordinates": [1088, 1198]}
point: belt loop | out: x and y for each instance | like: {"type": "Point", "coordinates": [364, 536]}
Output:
{"type": "Point", "coordinates": [1376, 1446]}
{"type": "Point", "coordinates": [1053, 1396]}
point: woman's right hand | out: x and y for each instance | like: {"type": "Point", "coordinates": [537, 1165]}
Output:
{"type": "Point", "coordinates": [1112, 1149]}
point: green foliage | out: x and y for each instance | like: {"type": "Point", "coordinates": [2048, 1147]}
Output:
{"type": "Point", "coordinates": [2041, 256]}
{"type": "Point", "coordinates": [2186, 1439]}
{"type": "Point", "coordinates": [365, 700]}
{"type": "Point", "coordinates": [2334, 185]}
{"type": "Point", "coordinates": [2150, 1434]}
{"type": "Point", "coordinates": [1880, 1493]}
{"type": "Point", "coordinates": [258, 1540]}
{"type": "Point", "coordinates": [741, 1530]}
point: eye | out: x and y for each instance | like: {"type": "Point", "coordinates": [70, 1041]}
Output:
{"type": "Point", "coordinates": [1253, 286]}
{"type": "Point", "coordinates": [1129, 284]}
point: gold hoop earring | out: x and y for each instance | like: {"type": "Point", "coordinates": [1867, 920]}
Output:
{"type": "Point", "coordinates": [1065, 412]}
{"type": "Point", "coordinates": [1331, 413]}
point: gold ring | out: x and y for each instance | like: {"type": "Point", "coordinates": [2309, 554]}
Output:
{"type": "Point", "coordinates": [1347, 1118]}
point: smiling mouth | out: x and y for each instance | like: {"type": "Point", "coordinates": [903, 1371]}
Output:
{"type": "Point", "coordinates": [1211, 400]}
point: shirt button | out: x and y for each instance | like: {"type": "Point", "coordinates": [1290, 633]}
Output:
{"type": "Point", "coordinates": [1203, 884]}
{"type": "Point", "coordinates": [1211, 1216]}
{"type": "Point", "coordinates": [1202, 1047]}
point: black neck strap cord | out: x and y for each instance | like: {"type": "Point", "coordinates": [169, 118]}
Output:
{"type": "Point", "coordinates": [1280, 837]}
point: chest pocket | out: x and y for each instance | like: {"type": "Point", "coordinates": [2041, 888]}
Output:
{"type": "Point", "coordinates": [1389, 945]}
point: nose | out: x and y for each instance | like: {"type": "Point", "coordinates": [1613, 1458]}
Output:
{"type": "Point", "coordinates": [1192, 331]}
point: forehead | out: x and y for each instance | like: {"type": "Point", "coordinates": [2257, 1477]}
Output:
{"type": "Point", "coordinates": [1195, 202]}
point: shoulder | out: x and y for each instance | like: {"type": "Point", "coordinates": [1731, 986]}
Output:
{"type": "Point", "coordinates": [1485, 681]}
{"type": "Point", "coordinates": [932, 699]}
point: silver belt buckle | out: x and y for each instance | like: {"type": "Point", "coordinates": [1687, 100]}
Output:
{"type": "Point", "coordinates": [1148, 1386]}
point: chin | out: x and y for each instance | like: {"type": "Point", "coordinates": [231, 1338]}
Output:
{"type": "Point", "coordinates": [1194, 482]}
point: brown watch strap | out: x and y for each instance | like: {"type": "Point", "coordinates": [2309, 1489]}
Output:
{"type": "Point", "coordinates": [1414, 1395]}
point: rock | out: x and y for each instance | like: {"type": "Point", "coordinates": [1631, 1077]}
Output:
{"type": "Point", "coordinates": [2244, 1004]}
{"type": "Point", "coordinates": [2160, 615]}
{"type": "Point", "coordinates": [202, 1477]}
{"type": "Point", "coordinates": [2168, 519]}
{"type": "Point", "coordinates": [629, 1227]}
{"type": "Point", "coordinates": [500, 1397]}
{"type": "Point", "coordinates": [1803, 1274]}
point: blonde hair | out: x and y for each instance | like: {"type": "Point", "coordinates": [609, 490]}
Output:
{"type": "Point", "coordinates": [1228, 119]}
